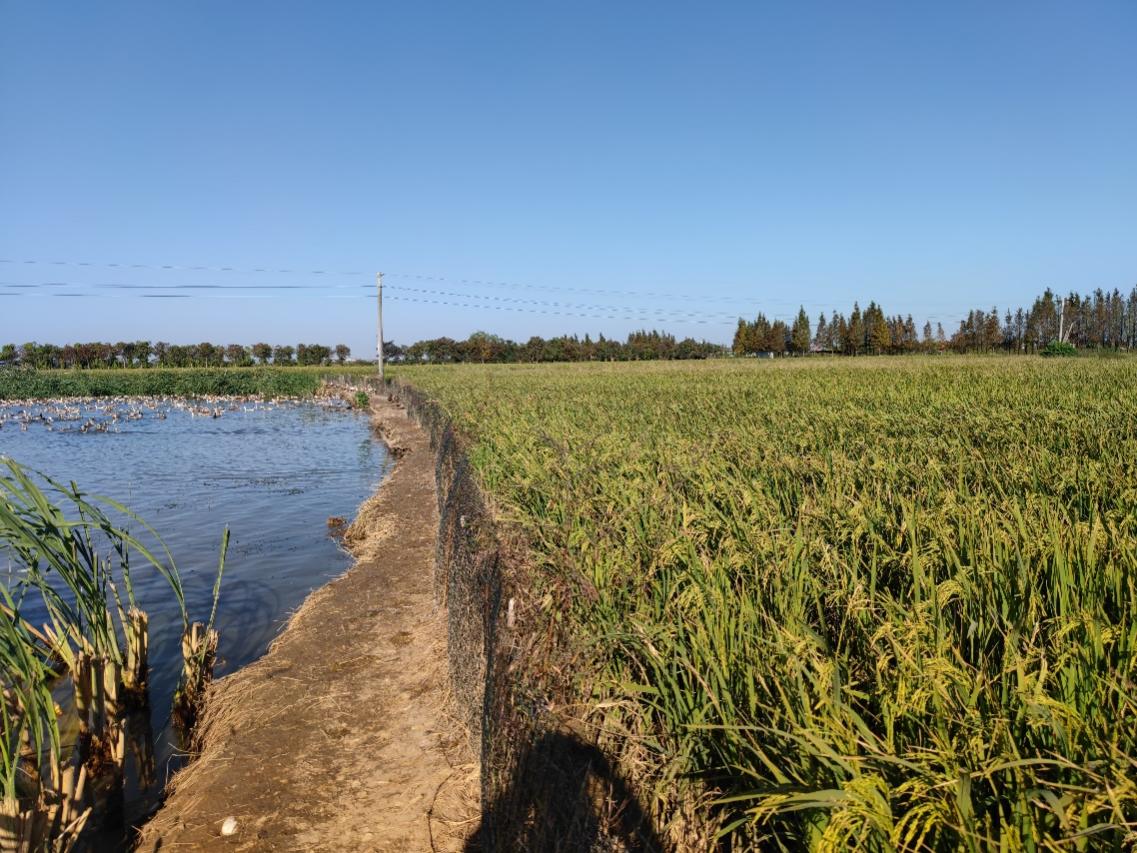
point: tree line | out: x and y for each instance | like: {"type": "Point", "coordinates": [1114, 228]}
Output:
{"type": "Point", "coordinates": [483, 347]}
{"type": "Point", "coordinates": [1098, 320]}
{"type": "Point", "coordinates": [478, 347]}
{"type": "Point", "coordinates": [142, 354]}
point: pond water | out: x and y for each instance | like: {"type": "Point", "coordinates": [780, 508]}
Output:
{"type": "Point", "coordinates": [273, 472]}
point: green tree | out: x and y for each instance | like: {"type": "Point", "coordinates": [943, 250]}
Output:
{"type": "Point", "coordinates": [800, 335]}
{"type": "Point", "coordinates": [741, 337]}
{"type": "Point", "coordinates": [878, 338]}
{"type": "Point", "coordinates": [853, 340]}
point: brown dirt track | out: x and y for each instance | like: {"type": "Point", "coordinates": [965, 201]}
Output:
{"type": "Point", "coordinates": [341, 738]}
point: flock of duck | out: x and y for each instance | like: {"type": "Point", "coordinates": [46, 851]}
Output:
{"type": "Point", "coordinates": [107, 414]}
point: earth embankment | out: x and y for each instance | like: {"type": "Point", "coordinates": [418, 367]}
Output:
{"type": "Point", "coordinates": [341, 737]}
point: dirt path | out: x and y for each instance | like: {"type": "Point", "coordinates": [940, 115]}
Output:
{"type": "Point", "coordinates": [339, 738]}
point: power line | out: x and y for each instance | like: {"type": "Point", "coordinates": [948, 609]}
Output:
{"type": "Point", "coordinates": [178, 267]}
{"type": "Point", "coordinates": [647, 294]}
{"type": "Point", "coordinates": [569, 305]}
{"type": "Point", "coordinates": [701, 297]}
{"type": "Point", "coordinates": [635, 318]}
{"type": "Point", "coordinates": [517, 304]}
{"type": "Point", "coordinates": [124, 286]}
{"type": "Point", "coordinates": [214, 291]}
{"type": "Point", "coordinates": [682, 297]}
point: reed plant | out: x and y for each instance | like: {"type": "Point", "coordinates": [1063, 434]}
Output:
{"type": "Point", "coordinates": [889, 605]}
{"type": "Point", "coordinates": [199, 653]}
{"type": "Point", "coordinates": [41, 797]}
{"type": "Point", "coordinates": [80, 564]}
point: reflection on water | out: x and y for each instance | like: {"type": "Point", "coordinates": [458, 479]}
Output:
{"type": "Point", "coordinates": [273, 473]}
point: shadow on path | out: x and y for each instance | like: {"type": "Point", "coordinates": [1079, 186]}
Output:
{"type": "Point", "coordinates": [565, 796]}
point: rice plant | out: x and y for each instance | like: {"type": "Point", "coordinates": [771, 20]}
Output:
{"type": "Point", "coordinates": [883, 605]}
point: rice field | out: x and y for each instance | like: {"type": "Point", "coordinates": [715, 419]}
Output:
{"type": "Point", "coordinates": [830, 605]}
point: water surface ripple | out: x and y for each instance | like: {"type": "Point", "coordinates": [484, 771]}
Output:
{"type": "Point", "coordinates": [272, 472]}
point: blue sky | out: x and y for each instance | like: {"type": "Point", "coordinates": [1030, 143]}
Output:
{"type": "Point", "coordinates": [719, 158]}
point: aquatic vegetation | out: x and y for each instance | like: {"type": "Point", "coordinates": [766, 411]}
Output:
{"type": "Point", "coordinates": [199, 653]}
{"type": "Point", "coordinates": [173, 382]}
{"type": "Point", "coordinates": [41, 801]}
{"type": "Point", "coordinates": [80, 563]}
{"type": "Point", "coordinates": [880, 605]}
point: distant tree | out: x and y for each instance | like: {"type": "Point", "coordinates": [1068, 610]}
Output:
{"type": "Point", "coordinates": [821, 339]}
{"type": "Point", "coordinates": [777, 338]}
{"type": "Point", "coordinates": [343, 352]}
{"type": "Point", "coordinates": [238, 355]}
{"type": "Point", "coordinates": [262, 352]}
{"type": "Point", "coordinates": [483, 347]}
{"type": "Point", "coordinates": [142, 353]}
{"type": "Point", "coordinates": [878, 337]}
{"type": "Point", "coordinates": [312, 354]}
{"type": "Point", "coordinates": [282, 354]}
{"type": "Point", "coordinates": [800, 336]}
{"type": "Point", "coordinates": [854, 337]}
{"type": "Point", "coordinates": [910, 341]}
{"type": "Point", "coordinates": [741, 337]}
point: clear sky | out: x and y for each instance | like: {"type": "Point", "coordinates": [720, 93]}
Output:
{"type": "Point", "coordinates": [721, 158]}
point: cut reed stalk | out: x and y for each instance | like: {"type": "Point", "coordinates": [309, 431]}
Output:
{"type": "Point", "coordinates": [199, 654]}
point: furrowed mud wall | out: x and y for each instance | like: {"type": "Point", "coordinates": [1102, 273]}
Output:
{"type": "Point", "coordinates": [545, 785]}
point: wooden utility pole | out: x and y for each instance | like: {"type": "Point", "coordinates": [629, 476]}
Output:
{"type": "Point", "coordinates": [379, 348]}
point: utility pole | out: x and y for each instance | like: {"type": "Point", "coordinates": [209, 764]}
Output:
{"type": "Point", "coordinates": [379, 348]}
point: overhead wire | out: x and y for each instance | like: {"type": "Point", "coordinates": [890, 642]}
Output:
{"type": "Point", "coordinates": [662, 314]}
{"type": "Point", "coordinates": [633, 317]}
{"type": "Point", "coordinates": [178, 267]}
{"type": "Point", "coordinates": [608, 292]}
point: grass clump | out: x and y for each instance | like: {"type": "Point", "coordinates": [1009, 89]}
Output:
{"type": "Point", "coordinates": [1058, 349]}
{"type": "Point", "coordinates": [883, 605]}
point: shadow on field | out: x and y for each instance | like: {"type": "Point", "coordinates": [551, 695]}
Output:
{"type": "Point", "coordinates": [565, 796]}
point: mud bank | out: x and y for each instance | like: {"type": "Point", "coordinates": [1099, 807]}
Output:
{"type": "Point", "coordinates": [342, 736]}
